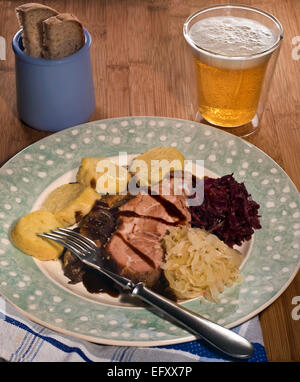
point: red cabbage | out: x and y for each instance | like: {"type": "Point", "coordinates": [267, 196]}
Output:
{"type": "Point", "coordinates": [227, 211]}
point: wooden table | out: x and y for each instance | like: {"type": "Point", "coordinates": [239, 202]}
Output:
{"type": "Point", "coordinates": [139, 69]}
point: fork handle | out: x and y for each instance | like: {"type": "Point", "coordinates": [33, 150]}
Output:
{"type": "Point", "coordinates": [223, 339]}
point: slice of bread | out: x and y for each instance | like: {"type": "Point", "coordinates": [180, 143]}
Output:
{"type": "Point", "coordinates": [63, 35]}
{"type": "Point", "coordinates": [30, 17]}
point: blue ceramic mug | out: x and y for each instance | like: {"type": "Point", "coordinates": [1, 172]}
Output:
{"type": "Point", "coordinates": [53, 95]}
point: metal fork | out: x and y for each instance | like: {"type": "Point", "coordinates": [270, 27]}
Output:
{"type": "Point", "coordinates": [223, 339]}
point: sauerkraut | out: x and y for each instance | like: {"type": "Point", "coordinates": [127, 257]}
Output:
{"type": "Point", "coordinates": [197, 263]}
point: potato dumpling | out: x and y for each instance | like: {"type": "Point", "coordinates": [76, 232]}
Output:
{"type": "Point", "coordinates": [153, 165]}
{"type": "Point", "coordinates": [70, 202]}
{"type": "Point", "coordinates": [103, 175]}
{"type": "Point", "coordinates": [24, 235]}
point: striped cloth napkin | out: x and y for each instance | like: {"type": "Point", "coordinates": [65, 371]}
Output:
{"type": "Point", "coordinates": [22, 340]}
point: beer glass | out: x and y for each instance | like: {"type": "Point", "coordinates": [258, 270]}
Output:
{"type": "Point", "coordinates": [234, 50]}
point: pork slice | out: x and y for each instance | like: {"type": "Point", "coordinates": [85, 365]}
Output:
{"type": "Point", "coordinates": [137, 257]}
{"type": "Point", "coordinates": [134, 248]}
{"type": "Point", "coordinates": [167, 208]}
{"type": "Point", "coordinates": [146, 205]}
{"type": "Point", "coordinates": [143, 214]}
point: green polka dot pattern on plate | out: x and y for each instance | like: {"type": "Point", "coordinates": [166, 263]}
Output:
{"type": "Point", "coordinates": [274, 257]}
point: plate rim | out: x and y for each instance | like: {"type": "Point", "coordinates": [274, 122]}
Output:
{"type": "Point", "coordinates": [174, 341]}
{"type": "Point", "coordinates": [151, 342]}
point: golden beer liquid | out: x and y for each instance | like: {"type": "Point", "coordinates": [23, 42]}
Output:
{"type": "Point", "coordinates": [229, 69]}
{"type": "Point", "coordinates": [228, 97]}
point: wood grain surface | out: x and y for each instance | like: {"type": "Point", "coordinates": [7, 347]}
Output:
{"type": "Point", "coordinates": [140, 68]}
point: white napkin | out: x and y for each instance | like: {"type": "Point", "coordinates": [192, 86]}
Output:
{"type": "Point", "coordinates": [22, 340]}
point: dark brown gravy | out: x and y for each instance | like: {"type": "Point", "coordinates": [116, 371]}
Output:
{"type": "Point", "coordinates": [97, 283]}
{"type": "Point", "coordinates": [93, 281]}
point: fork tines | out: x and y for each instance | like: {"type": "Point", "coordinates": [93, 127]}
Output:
{"type": "Point", "coordinates": [77, 235]}
{"type": "Point", "coordinates": [75, 242]}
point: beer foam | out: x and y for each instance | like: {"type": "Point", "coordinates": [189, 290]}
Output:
{"type": "Point", "coordinates": [232, 38]}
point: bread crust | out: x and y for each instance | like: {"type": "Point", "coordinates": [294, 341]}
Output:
{"type": "Point", "coordinates": [60, 18]}
{"type": "Point", "coordinates": [32, 6]}
{"type": "Point", "coordinates": [30, 17]}
{"type": "Point", "coordinates": [48, 33]}
{"type": "Point", "coordinates": [63, 35]}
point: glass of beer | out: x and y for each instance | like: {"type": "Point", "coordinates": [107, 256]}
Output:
{"type": "Point", "coordinates": [234, 50]}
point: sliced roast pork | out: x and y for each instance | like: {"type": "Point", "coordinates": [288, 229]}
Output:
{"type": "Point", "coordinates": [134, 248]}
{"type": "Point", "coordinates": [130, 228]}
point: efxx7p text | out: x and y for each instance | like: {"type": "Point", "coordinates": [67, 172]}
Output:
{"type": "Point", "coordinates": [154, 371]}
